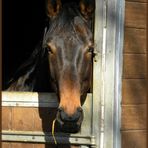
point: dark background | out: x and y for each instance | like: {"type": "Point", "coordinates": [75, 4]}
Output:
{"type": "Point", "coordinates": [22, 28]}
{"type": "Point", "coordinates": [23, 25]}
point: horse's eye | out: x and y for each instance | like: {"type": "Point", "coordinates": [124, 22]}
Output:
{"type": "Point", "coordinates": [49, 49]}
{"type": "Point", "coordinates": [90, 49]}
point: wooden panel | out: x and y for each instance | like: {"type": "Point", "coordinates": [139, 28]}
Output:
{"type": "Point", "coordinates": [34, 119]}
{"type": "Point", "coordinates": [21, 145]}
{"type": "Point", "coordinates": [136, 0]}
{"type": "Point", "coordinates": [37, 145]}
{"type": "Point", "coordinates": [54, 146]}
{"type": "Point", "coordinates": [6, 118]}
{"type": "Point", "coordinates": [135, 14]}
{"type": "Point", "coordinates": [22, 119]}
{"type": "Point", "coordinates": [37, 120]}
{"type": "Point", "coordinates": [5, 145]}
{"type": "Point", "coordinates": [43, 118]}
{"type": "Point", "coordinates": [135, 40]}
{"type": "Point", "coordinates": [44, 146]}
{"type": "Point", "coordinates": [134, 117]}
{"type": "Point", "coordinates": [134, 66]}
{"type": "Point", "coordinates": [134, 91]}
{"type": "Point", "coordinates": [136, 139]}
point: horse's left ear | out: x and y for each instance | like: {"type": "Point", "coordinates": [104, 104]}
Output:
{"type": "Point", "coordinates": [87, 8]}
{"type": "Point", "coordinates": [53, 8]}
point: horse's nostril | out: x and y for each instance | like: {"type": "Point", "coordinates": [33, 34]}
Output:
{"type": "Point", "coordinates": [79, 109]}
{"type": "Point", "coordinates": [70, 118]}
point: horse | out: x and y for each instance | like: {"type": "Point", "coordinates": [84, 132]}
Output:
{"type": "Point", "coordinates": [66, 52]}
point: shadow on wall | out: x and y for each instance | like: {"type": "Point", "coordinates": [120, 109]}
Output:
{"type": "Point", "coordinates": [47, 115]}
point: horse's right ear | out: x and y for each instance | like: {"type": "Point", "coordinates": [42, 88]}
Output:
{"type": "Point", "coordinates": [53, 8]}
{"type": "Point", "coordinates": [87, 8]}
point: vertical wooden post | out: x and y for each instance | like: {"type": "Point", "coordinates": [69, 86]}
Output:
{"type": "Point", "coordinates": [118, 71]}
{"type": "Point", "coordinates": [107, 71]}
{"type": "Point", "coordinates": [113, 72]}
{"type": "Point", "coordinates": [97, 71]}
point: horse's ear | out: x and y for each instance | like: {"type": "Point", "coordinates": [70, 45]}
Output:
{"type": "Point", "coordinates": [53, 7]}
{"type": "Point", "coordinates": [87, 8]}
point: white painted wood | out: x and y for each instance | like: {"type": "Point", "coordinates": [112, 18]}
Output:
{"type": "Point", "coordinates": [97, 71]}
{"type": "Point", "coordinates": [112, 75]}
{"type": "Point", "coordinates": [109, 74]}
{"type": "Point", "coordinates": [28, 96]}
{"type": "Point", "coordinates": [34, 99]}
{"type": "Point", "coordinates": [40, 137]}
{"type": "Point", "coordinates": [29, 99]}
{"type": "Point", "coordinates": [118, 72]}
{"type": "Point", "coordinates": [86, 124]}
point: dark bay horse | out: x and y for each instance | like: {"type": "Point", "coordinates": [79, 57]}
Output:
{"type": "Point", "coordinates": [66, 53]}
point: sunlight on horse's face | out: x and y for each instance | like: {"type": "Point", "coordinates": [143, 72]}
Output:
{"type": "Point", "coordinates": [69, 41]}
{"type": "Point", "coordinates": [70, 44]}
{"type": "Point", "coordinates": [70, 62]}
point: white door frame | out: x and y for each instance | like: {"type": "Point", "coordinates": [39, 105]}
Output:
{"type": "Point", "coordinates": [107, 72]}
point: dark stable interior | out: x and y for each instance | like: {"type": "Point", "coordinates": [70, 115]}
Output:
{"type": "Point", "coordinates": [23, 27]}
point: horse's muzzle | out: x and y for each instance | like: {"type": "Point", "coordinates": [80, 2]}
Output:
{"type": "Point", "coordinates": [69, 124]}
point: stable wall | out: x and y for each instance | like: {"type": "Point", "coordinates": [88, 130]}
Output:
{"type": "Point", "coordinates": [134, 100]}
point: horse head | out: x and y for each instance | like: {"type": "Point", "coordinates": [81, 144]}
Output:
{"type": "Point", "coordinates": [69, 42]}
